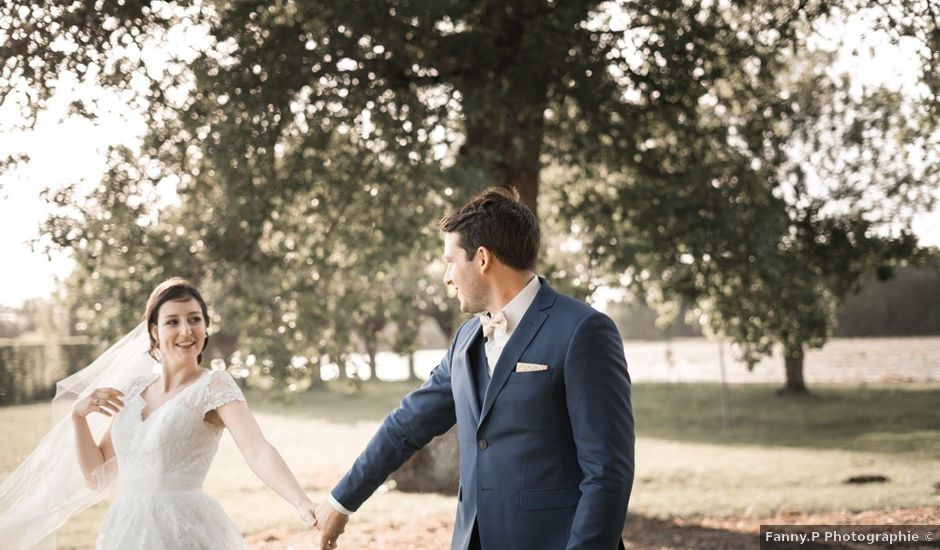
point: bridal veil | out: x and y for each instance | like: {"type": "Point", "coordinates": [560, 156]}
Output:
{"type": "Point", "coordinates": [48, 487]}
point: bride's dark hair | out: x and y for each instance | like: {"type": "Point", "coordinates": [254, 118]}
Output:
{"type": "Point", "coordinates": [171, 290]}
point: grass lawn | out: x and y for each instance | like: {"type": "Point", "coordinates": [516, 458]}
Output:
{"type": "Point", "coordinates": [769, 454]}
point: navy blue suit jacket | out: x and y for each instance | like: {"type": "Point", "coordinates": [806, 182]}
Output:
{"type": "Point", "coordinates": [546, 457]}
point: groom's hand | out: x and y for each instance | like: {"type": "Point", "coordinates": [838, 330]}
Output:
{"type": "Point", "coordinates": [331, 524]}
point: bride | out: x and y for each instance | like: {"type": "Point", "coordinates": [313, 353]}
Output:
{"type": "Point", "coordinates": [155, 433]}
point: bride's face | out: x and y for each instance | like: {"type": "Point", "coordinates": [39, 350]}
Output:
{"type": "Point", "coordinates": [180, 332]}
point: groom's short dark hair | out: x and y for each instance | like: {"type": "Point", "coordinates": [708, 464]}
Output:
{"type": "Point", "coordinates": [497, 219]}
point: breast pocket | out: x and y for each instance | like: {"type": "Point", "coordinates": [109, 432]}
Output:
{"type": "Point", "coordinates": [530, 377]}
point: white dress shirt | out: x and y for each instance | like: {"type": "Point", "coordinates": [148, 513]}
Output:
{"type": "Point", "coordinates": [514, 311]}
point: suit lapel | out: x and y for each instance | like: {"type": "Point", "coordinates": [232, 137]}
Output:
{"type": "Point", "coordinates": [463, 359]}
{"type": "Point", "coordinates": [528, 327]}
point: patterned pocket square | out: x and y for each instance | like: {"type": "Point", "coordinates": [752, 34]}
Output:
{"type": "Point", "coordinates": [530, 367]}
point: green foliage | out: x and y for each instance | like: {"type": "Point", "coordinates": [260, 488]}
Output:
{"type": "Point", "coordinates": [749, 183]}
{"type": "Point", "coordinates": [699, 152]}
{"type": "Point", "coordinates": [299, 222]}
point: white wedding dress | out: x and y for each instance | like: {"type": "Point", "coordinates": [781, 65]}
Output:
{"type": "Point", "coordinates": [162, 461]}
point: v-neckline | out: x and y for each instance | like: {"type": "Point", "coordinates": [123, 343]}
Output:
{"type": "Point", "coordinates": [140, 394]}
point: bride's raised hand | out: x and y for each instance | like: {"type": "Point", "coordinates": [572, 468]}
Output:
{"type": "Point", "coordinates": [106, 401]}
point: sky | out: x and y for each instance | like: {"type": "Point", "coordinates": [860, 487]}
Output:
{"type": "Point", "coordinates": [66, 150]}
{"type": "Point", "coordinates": [63, 150]}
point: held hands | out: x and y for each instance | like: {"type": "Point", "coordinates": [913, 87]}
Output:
{"type": "Point", "coordinates": [106, 401]}
{"type": "Point", "coordinates": [331, 524]}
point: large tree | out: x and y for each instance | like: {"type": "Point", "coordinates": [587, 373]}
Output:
{"type": "Point", "coordinates": [309, 141]}
{"type": "Point", "coordinates": [767, 194]}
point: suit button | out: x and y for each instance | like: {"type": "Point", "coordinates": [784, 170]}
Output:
{"type": "Point", "coordinates": [483, 444]}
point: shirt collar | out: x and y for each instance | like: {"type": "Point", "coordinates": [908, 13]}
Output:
{"type": "Point", "coordinates": [520, 303]}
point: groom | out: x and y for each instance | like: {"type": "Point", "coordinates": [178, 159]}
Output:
{"type": "Point", "coordinates": [537, 384]}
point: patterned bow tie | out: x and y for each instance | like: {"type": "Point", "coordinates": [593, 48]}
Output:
{"type": "Point", "coordinates": [492, 322]}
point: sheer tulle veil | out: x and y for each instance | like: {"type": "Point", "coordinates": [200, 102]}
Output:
{"type": "Point", "coordinates": [48, 487]}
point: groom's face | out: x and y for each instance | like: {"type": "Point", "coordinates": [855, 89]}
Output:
{"type": "Point", "coordinates": [464, 275]}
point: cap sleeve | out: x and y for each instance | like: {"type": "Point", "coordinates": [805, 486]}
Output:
{"type": "Point", "coordinates": [137, 385]}
{"type": "Point", "coordinates": [221, 390]}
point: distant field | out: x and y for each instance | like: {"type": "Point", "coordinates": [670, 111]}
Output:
{"type": "Point", "coordinates": [767, 454]}
{"type": "Point", "coordinates": [842, 360]}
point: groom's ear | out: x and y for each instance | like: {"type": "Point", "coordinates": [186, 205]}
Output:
{"type": "Point", "coordinates": [483, 259]}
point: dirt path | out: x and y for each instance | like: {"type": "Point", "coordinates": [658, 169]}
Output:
{"type": "Point", "coordinates": [641, 533]}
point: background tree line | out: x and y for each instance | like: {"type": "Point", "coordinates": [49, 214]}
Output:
{"type": "Point", "coordinates": [37, 346]}
{"type": "Point", "coordinates": [908, 304]}
{"type": "Point", "coordinates": [36, 351]}
{"type": "Point", "coordinates": [706, 156]}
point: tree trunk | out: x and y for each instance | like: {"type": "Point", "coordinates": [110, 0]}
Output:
{"type": "Point", "coordinates": [316, 382]}
{"type": "Point", "coordinates": [412, 375]}
{"type": "Point", "coordinates": [373, 331]}
{"type": "Point", "coordinates": [433, 469]}
{"type": "Point", "coordinates": [519, 164]}
{"type": "Point", "coordinates": [341, 364]}
{"type": "Point", "coordinates": [444, 319]}
{"type": "Point", "coordinates": [793, 361]}
{"type": "Point", "coordinates": [371, 351]}
{"type": "Point", "coordinates": [505, 130]}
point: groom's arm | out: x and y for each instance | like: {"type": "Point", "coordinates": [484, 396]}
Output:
{"type": "Point", "coordinates": [597, 391]}
{"type": "Point", "coordinates": [423, 414]}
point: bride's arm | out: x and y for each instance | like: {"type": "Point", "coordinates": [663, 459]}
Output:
{"type": "Point", "coordinates": [91, 455]}
{"type": "Point", "coordinates": [262, 457]}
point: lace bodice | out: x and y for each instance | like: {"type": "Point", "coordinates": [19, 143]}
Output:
{"type": "Point", "coordinates": [171, 449]}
